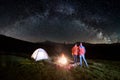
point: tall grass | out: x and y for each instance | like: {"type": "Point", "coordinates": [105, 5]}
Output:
{"type": "Point", "coordinates": [18, 68]}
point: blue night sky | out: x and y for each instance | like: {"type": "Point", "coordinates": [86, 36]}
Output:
{"type": "Point", "coordinates": [93, 21]}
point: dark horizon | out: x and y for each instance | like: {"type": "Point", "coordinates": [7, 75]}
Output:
{"type": "Point", "coordinates": [11, 46]}
{"type": "Point", "coordinates": [49, 41]}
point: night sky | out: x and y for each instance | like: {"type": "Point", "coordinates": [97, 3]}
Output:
{"type": "Point", "coordinates": [92, 21]}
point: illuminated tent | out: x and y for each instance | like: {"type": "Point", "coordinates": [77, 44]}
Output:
{"type": "Point", "coordinates": [39, 54]}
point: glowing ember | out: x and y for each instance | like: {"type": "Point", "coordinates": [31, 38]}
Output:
{"type": "Point", "coordinates": [62, 60]}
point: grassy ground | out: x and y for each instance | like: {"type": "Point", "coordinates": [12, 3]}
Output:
{"type": "Point", "coordinates": [18, 68]}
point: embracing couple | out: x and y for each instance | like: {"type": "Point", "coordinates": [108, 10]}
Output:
{"type": "Point", "coordinates": [79, 50]}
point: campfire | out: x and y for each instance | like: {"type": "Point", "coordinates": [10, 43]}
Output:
{"type": "Point", "coordinates": [62, 60]}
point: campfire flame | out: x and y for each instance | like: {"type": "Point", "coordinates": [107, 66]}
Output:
{"type": "Point", "coordinates": [62, 60]}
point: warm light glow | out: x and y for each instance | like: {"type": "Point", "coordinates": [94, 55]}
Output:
{"type": "Point", "coordinates": [62, 60]}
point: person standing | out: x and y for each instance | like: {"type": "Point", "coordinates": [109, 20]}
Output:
{"type": "Point", "coordinates": [82, 52]}
{"type": "Point", "coordinates": [75, 53]}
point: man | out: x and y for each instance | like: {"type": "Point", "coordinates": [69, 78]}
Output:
{"type": "Point", "coordinates": [82, 51]}
{"type": "Point", "coordinates": [75, 53]}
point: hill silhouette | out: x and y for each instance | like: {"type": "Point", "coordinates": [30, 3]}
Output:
{"type": "Point", "coordinates": [11, 46]}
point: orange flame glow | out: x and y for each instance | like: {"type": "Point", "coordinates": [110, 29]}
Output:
{"type": "Point", "coordinates": [62, 60]}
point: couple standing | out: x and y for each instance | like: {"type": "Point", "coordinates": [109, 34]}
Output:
{"type": "Point", "coordinates": [79, 51]}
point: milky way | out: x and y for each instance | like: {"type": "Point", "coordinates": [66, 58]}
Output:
{"type": "Point", "coordinates": [61, 20]}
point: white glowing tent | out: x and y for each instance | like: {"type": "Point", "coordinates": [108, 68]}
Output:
{"type": "Point", "coordinates": [39, 54]}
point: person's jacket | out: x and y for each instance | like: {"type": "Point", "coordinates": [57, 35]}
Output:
{"type": "Point", "coordinates": [82, 50]}
{"type": "Point", "coordinates": [75, 50]}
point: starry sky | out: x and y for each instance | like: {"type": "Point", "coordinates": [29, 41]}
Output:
{"type": "Point", "coordinates": [92, 21]}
